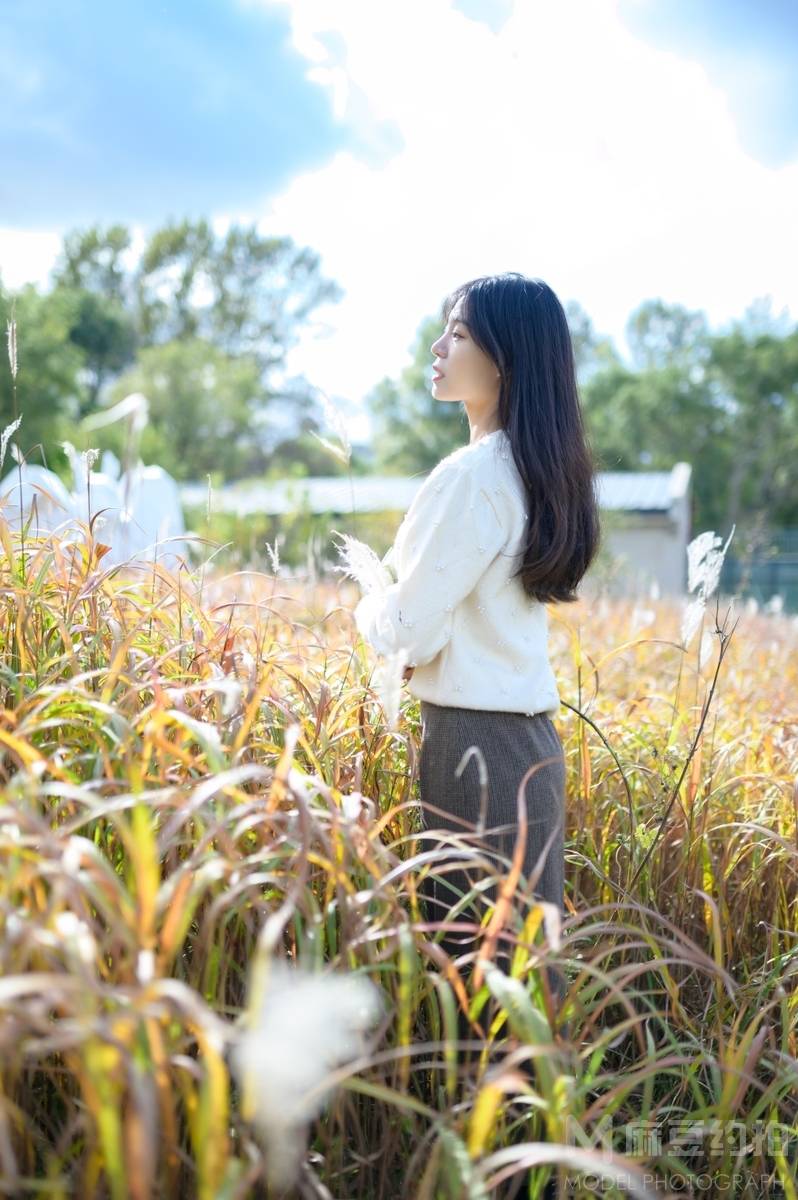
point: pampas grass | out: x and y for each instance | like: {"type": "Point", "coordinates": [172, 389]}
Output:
{"type": "Point", "coordinates": [299, 1026]}
{"type": "Point", "coordinates": [199, 774]}
{"type": "Point", "coordinates": [362, 564]}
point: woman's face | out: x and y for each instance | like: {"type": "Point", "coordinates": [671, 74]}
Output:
{"type": "Point", "coordinates": [462, 371]}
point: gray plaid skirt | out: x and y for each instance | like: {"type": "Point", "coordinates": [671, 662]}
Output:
{"type": "Point", "coordinates": [510, 743]}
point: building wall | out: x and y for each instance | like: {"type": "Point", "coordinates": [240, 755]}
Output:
{"type": "Point", "coordinates": [648, 548]}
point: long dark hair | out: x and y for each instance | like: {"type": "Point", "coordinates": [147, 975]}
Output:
{"type": "Point", "coordinates": [521, 325]}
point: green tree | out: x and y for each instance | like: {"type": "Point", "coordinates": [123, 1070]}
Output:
{"type": "Point", "coordinates": [93, 260]}
{"type": "Point", "coordinates": [242, 293]}
{"type": "Point", "coordinates": [726, 403]}
{"type": "Point", "coordinates": [664, 408]}
{"type": "Point", "coordinates": [756, 379]}
{"type": "Point", "coordinates": [106, 334]}
{"type": "Point", "coordinates": [592, 351]}
{"type": "Point", "coordinates": [662, 335]}
{"type": "Point", "coordinates": [203, 405]}
{"type": "Point", "coordinates": [649, 420]}
{"type": "Point", "coordinates": [233, 304]}
{"type": "Point", "coordinates": [49, 391]}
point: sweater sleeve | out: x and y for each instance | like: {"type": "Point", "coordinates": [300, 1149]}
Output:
{"type": "Point", "coordinates": [389, 562]}
{"type": "Point", "coordinates": [451, 533]}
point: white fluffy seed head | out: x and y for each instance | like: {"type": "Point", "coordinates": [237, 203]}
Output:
{"type": "Point", "coordinates": [308, 1024]}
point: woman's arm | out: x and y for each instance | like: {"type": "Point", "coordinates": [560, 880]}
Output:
{"type": "Point", "coordinates": [452, 533]}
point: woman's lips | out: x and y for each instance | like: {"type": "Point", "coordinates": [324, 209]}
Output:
{"type": "Point", "coordinates": [437, 375]}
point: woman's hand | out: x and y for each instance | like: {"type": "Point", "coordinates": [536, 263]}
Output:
{"type": "Point", "coordinates": [408, 671]}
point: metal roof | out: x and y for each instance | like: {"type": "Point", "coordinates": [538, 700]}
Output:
{"type": "Point", "coordinates": [643, 491]}
{"type": "Point", "coordinates": [321, 493]}
{"type": "Point", "coordinates": [630, 491]}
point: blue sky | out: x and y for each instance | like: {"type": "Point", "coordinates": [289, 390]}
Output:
{"type": "Point", "coordinates": [127, 111]}
{"type": "Point", "coordinates": [748, 47]}
{"type": "Point", "coordinates": [381, 135]}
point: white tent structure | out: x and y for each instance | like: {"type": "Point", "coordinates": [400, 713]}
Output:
{"type": "Point", "coordinates": [53, 501]}
{"type": "Point", "coordinates": [151, 514]}
{"type": "Point", "coordinates": [139, 509]}
{"type": "Point", "coordinates": [136, 511]}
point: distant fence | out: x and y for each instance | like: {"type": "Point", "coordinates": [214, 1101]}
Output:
{"type": "Point", "coordinates": [771, 571]}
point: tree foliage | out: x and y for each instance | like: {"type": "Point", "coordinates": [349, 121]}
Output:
{"type": "Point", "coordinates": [199, 322]}
{"type": "Point", "coordinates": [727, 403]}
{"type": "Point", "coordinates": [49, 392]}
{"type": "Point", "coordinates": [203, 407]}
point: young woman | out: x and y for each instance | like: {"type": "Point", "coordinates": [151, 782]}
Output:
{"type": "Point", "coordinates": [501, 527]}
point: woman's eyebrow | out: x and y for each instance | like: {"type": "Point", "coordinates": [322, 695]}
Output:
{"type": "Point", "coordinates": [459, 321]}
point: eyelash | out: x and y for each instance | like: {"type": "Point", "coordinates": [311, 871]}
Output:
{"type": "Point", "coordinates": [456, 334]}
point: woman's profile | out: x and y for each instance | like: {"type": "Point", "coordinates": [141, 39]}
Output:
{"type": "Point", "coordinates": [502, 526]}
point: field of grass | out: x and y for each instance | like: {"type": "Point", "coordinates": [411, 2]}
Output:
{"type": "Point", "coordinates": [199, 779]}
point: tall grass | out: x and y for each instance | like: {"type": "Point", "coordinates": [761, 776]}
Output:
{"type": "Point", "coordinates": [193, 782]}
{"type": "Point", "coordinates": [202, 780]}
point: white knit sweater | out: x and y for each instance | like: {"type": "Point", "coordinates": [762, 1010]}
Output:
{"type": "Point", "coordinates": [476, 639]}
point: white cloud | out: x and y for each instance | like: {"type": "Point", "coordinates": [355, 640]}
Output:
{"type": "Point", "coordinates": [561, 146]}
{"type": "Point", "coordinates": [27, 255]}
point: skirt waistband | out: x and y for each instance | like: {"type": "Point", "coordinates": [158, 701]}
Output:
{"type": "Point", "coordinates": [427, 705]}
